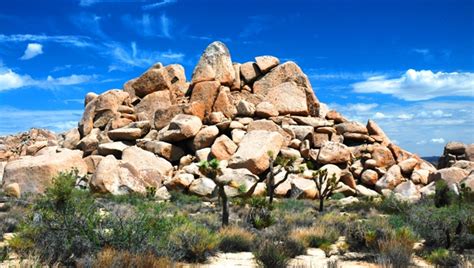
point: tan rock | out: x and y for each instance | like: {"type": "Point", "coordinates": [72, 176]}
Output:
{"type": "Point", "coordinates": [163, 116]}
{"type": "Point", "coordinates": [205, 137]}
{"type": "Point", "coordinates": [92, 161]}
{"type": "Point", "coordinates": [315, 122]}
{"type": "Point", "coordinates": [180, 181]}
{"type": "Point", "coordinates": [34, 173]}
{"type": "Point", "coordinates": [215, 64]}
{"type": "Point", "coordinates": [166, 150]}
{"type": "Point", "coordinates": [369, 177]}
{"type": "Point", "coordinates": [318, 139]}
{"type": "Point", "coordinates": [148, 165]}
{"type": "Point", "coordinates": [302, 132]}
{"type": "Point", "coordinates": [242, 180]}
{"type": "Point", "coordinates": [249, 72]}
{"type": "Point", "coordinates": [382, 156]}
{"type": "Point", "coordinates": [391, 179]}
{"type": "Point", "coordinates": [13, 190]}
{"type": "Point", "coordinates": [125, 134]}
{"type": "Point", "coordinates": [118, 178]}
{"type": "Point", "coordinates": [468, 181]}
{"type": "Point", "coordinates": [152, 102]}
{"type": "Point", "coordinates": [177, 78]}
{"type": "Point", "coordinates": [71, 138]}
{"type": "Point", "coordinates": [303, 188]}
{"type": "Point", "coordinates": [89, 97]}
{"type": "Point", "coordinates": [348, 179]}
{"type": "Point", "coordinates": [288, 98]}
{"type": "Point", "coordinates": [266, 63]}
{"type": "Point", "coordinates": [181, 127]}
{"type": "Point", "coordinates": [205, 93]}
{"type": "Point", "coordinates": [237, 83]}
{"type": "Point", "coordinates": [451, 175]}
{"type": "Point", "coordinates": [265, 110]}
{"type": "Point", "coordinates": [407, 166]}
{"type": "Point", "coordinates": [398, 153]}
{"type": "Point", "coordinates": [455, 147]}
{"type": "Point", "coordinates": [203, 154]}
{"type": "Point", "coordinates": [420, 176]}
{"type": "Point", "coordinates": [154, 79]}
{"type": "Point", "coordinates": [334, 153]}
{"type": "Point", "coordinates": [223, 148]}
{"type": "Point", "coordinates": [252, 153]}
{"type": "Point", "coordinates": [364, 191]}
{"type": "Point", "coordinates": [238, 135]}
{"type": "Point", "coordinates": [407, 191]}
{"type": "Point", "coordinates": [376, 132]}
{"type": "Point", "coordinates": [288, 72]}
{"type": "Point", "coordinates": [245, 108]}
{"type": "Point", "coordinates": [202, 187]}
{"type": "Point", "coordinates": [357, 137]}
{"type": "Point", "coordinates": [112, 148]}
{"type": "Point", "coordinates": [353, 127]}
{"type": "Point", "coordinates": [224, 104]}
{"type": "Point", "coordinates": [335, 116]}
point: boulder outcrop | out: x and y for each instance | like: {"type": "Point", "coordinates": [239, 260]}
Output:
{"type": "Point", "coordinates": [154, 131]}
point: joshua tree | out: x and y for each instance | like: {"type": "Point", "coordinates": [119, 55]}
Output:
{"type": "Point", "coordinates": [324, 185]}
{"type": "Point", "coordinates": [283, 163]}
{"type": "Point", "coordinates": [212, 170]}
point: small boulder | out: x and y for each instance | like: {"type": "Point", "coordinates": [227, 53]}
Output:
{"type": "Point", "coordinates": [202, 187]}
{"type": "Point", "coordinates": [223, 148]}
{"type": "Point", "coordinates": [391, 179]}
{"type": "Point", "coordinates": [265, 110]}
{"type": "Point", "coordinates": [125, 134]}
{"type": "Point", "coordinates": [266, 63]}
{"type": "Point", "coordinates": [334, 153]}
{"type": "Point", "coordinates": [181, 127]}
{"type": "Point", "coordinates": [205, 137]}
{"type": "Point", "coordinates": [369, 177]}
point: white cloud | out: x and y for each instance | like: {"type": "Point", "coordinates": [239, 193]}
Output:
{"type": "Point", "coordinates": [362, 107]}
{"type": "Point", "coordinates": [148, 25]}
{"type": "Point", "coordinates": [420, 85]}
{"type": "Point", "coordinates": [16, 120]}
{"type": "Point", "coordinates": [158, 4]}
{"type": "Point", "coordinates": [165, 26]}
{"type": "Point", "coordinates": [32, 50]}
{"type": "Point", "coordinates": [321, 75]}
{"type": "Point", "coordinates": [67, 40]}
{"type": "Point", "coordinates": [379, 115]}
{"type": "Point", "coordinates": [438, 140]}
{"type": "Point", "coordinates": [405, 116]}
{"type": "Point", "coordinates": [11, 80]}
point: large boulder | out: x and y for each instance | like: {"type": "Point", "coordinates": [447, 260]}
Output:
{"type": "Point", "coordinates": [288, 72]}
{"type": "Point", "coordinates": [154, 79]}
{"type": "Point", "coordinates": [223, 148]}
{"type": "Point", "coordinates": [334, 153]}
{"type": "Point", "coordinates": [34, 173]}
{"type": "Point", "coordinates": [181, 127]}
{"type": "Point", "coordinates": [202, 187]}
{"type": "Point", "coordinates": [351, 127]}
{"type": "Point", "coordinates": [117, 177]}
{"type": "Point", "coordinates": [215, 64]}
{"type": "Point", "coordinates": [391, 179]}
{"type": "Point", "coordinates": [451, 175]}
{"type": "Point", "coordinates": [205, 137]}
{"type": "Point", "coordinates": [166, 150]}
{"type": "Point", "coordinates": [252, 153]}
{"type": "Point", "coordinates": [383, 156]}
{"type": "Point", "coordinates": [147, 163]}
{"type": "Point", "coordinates": [205, 93]}
{"type": "Point", "coordinates": [242, 181]}
{"type": "Point", "coordinates": [152, 102]}
{"type": "Point", "coordinates": [288, 98]}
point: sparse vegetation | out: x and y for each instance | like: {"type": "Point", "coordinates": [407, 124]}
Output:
{"type": "Point", "coordinates": [235, 239]}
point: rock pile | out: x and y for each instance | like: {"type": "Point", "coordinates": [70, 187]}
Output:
{"type": "Point", "coordinates": [154, 132]}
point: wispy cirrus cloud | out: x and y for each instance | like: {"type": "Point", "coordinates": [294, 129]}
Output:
{"type": "Point", "coordinates": [420, 85]}
{"type": "Point", "coordinates": [256, 25]}
{"type": "Point", "coordinates": [89, 23]}
{"type": "Point", "coordinates": [158, 4]}
{"type": "Point", "coordinates": [67, 40]}
{"type": "Point", "coordinates": [32, 50]}
{"type": "Point", "coordinates": [126, 57]}
{"type": "Point", "coordinates": [148, 25]}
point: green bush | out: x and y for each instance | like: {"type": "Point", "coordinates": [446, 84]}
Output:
{"type": "Point", "coordinates": [315, 236]}
{"type": "Point", "coordinates": [365, 234]}
{"type": "Point", "coordinates": [397, 248]}
{"type": "Point", "coordinates": [260, 214]}
{"type": "Point", "coordinates": [235, 239]}
{"type": "Point", "coordinates": [191, 242]}
{"type": "Point", "coordinates": [271, 254]}
{"type": "Point", "coordinates": [294, 247]}
{"type": "Point", "coordinates": [444, 226]}
{"type": "Point", "coordinates": [393, 205]}
{"type": "Point", "coordinates": [444, 258]}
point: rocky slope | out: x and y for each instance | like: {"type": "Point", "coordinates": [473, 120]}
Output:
{"type": "Point", "coordinates": [154, 131]}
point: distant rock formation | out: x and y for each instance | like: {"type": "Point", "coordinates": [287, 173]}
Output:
{"type": "Point", "coordinates": [154, 131]}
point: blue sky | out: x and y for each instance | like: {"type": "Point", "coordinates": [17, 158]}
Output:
{"type": "Point", "coordinates": [407, 64]}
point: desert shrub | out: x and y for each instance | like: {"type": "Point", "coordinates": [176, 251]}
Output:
{"type": "Point", "coordinates": [443, 195]}
{"type": "Point", "coordinates": [191, 242]}
{"type": "Point", "coordinates": [443, 258]}
{"type": "Point", "coordinates": [364, 234]}
{"type": "Point", "coordinates": [296, 219]}
{"type": "Point", "coordinates": [393, 205]}
{"type": "Point", "coordinates": [397, 248]}
{"type": "Point", "coordinates": [444, 226]}
{"type": "Point", "coordinates": [271, 254]}
{"type": "Point", "coordinates": [293, 247]}
{"type": "Point", "coordinates": [337, 220]}
{"type": "Point", "coordinates": [235, 239]}
{"type": "Point", "coordinates": [260, 215]}
{"type": "Point", "coordinates": [315, 236]}
{"type": "Point", "coordinates": [291, 205]}
{"type": "Point", "coordinates": [109, 257]}
{"type": "Point", "coordinates": [337, 196]}
{"type": "Point", "coordinates": [67, 223]}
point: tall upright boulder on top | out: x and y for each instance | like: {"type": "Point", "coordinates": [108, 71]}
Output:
{"type": "Point", "coordinates": [215, 64]}
{"type": "Point", "coordinates": [288, 72]}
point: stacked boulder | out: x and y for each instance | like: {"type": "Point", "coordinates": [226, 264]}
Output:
{"type": "Point", "coordinates": [456, 165]}
{"type": "Point", "coordinates": [154, 132]}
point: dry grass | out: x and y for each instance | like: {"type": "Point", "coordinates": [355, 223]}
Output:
{"type": "Point", "coordinates": [235, 239]}
{"type": "Point", "coordinates": [315, 236]}
{"type": "Point", "coordinates": [109, 257]}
